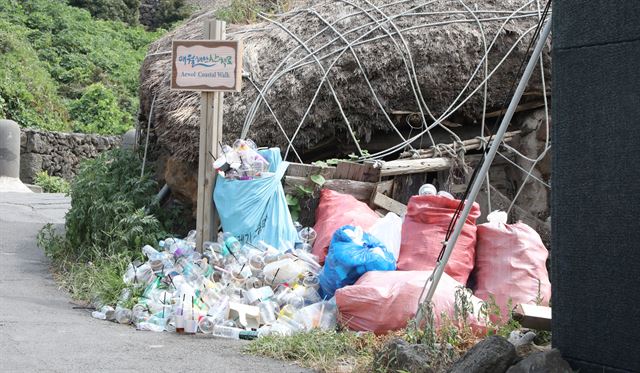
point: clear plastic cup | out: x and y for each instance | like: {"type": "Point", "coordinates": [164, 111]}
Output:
{"type": "Point", "coordinates": [307, 235]}
{"type": "Point", "coordinates": [268, 312]}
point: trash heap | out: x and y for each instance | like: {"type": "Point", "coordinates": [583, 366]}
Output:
{"type": "Point", "coordinates": [231, 290]}
{"type": "Point", "coordinates": [242, 161]}
{"type": "Point", "coordinates": [366, 270]}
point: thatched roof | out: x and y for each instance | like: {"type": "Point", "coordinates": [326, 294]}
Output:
{"type": "Point", "coordinates": [446, 47]}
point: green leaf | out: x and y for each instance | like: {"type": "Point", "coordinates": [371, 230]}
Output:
{"type": "Point", "coordinates": [318, 179]}
{"type": "Point", "coordinates": [305, 190]}
{"type": "Point", "coordinates": [292, 201]}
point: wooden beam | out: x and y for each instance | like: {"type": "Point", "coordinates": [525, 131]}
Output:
{"type": "Point", "coordinates": [357, 171]}
{"type": "Point", "coordinates": [389, 204]}
{"type": "Point", "coordinates": [306, 170]}
{"type": "Point", "coordinates": [415, 166]}
{"type": "Point", "coordinates": [467, 145]}
{"type": "Point", "coordinates": [211, 110]}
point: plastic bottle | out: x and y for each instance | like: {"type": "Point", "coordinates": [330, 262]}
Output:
{"type": "Point", "coordinates": [226, 332]}
{"type": "Point", "coordinates": [230, 242]}
{"type": "Point", "coordinates": [155, 324]}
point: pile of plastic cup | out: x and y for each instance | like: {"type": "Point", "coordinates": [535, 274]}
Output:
{"type": "Point", "coordinates": [241, 161]}
{"type": "Point", "coordinates": [229, 290]}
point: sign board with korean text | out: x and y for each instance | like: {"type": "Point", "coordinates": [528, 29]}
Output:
{"type": "Point", "coordinates": [206, 65]}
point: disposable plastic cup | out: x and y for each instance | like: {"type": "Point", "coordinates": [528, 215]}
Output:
{"type": "Point", "coordinates": [268, 312]}
{"type": "Point", "coordinates": [445, 194]}
{"type": "Point", "coordinates": [427, 189]}
{"type": "Point", "coordinates": [179, 324]}
{"type": "Point", "coordinates": [190, 326]}
{"type": "Point", "coordinates": [308, 235]}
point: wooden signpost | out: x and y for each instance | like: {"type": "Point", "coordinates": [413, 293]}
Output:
{"type": "Point", "coordinates": [212, 66]}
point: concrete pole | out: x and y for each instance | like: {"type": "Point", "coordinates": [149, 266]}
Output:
{"type": "Point", "coordinates": [10, 158]}
{"type": "Point", "coordinates": [9, 149]}
{"type": "Point", "coordinates": [129, 140]}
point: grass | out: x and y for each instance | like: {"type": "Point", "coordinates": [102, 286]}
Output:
{"type": "Point", "coordinates": [52, 184]}
{"type": "Point", "coordinates": [326, 351]}
{"type": "Point", "coordinates": [99, 279]}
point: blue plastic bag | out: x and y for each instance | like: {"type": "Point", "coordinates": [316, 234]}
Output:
{"type": "Point", "coordinates": [256, 210]}
{"type": "Point", "coordinates": [352, 253]}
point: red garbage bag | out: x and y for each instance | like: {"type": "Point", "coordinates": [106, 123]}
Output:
{"type": "Point", "coordinates": [425, 227]}
{"type": "Point", "coordinates": [383, 301]}
{"type": "Point", "coordinates": [511, 264]}
{"type": "Point", "coordinates": [334, 211]}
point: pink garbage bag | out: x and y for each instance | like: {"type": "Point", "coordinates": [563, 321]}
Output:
{"type": "Point", "coordinates": [334, 211]}
{"type": "Point", "coordinates": [383, 301]}
{"type": "Point", "coordinates": [424, 229]}
{"type": "Point", "coordinates": [511, 264]}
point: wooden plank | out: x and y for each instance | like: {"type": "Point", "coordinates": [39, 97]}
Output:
{"type": "Point", "coordinates": [533, 317]}
{"type": "Point", "coordinates": [207, 221]}
{"type": "Point", "coordinates": [385, 187]}
{"type": "Point", "coordinates": [359, 189]}
{"type": "Point", "coordinates": [389, 204]}
{"type": "Point", "coordinates": [306, 170]}
{"type": "Point", "coordinates": [358, 172]}
{"type": "Point", "coordinates": [415, 166]}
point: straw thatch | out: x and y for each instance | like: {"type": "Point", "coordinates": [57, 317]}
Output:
{"type": "Point", "coordinates": [444, 57]}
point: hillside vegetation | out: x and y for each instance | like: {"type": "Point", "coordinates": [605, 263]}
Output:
{"type": "Point", "coordinates": [61, 69]}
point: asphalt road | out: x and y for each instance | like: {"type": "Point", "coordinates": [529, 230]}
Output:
{"type": "Point", "coordinates": [40, 331]}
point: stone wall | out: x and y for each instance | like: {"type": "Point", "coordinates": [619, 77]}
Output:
{"type": "Point", "coordinates": [59, 153]}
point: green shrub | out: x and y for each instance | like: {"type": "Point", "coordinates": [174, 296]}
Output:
{"type": "Point", "coordinates": [108, 200]}
{"type": "Point", "coordinates": [111, 217]}
{"type": "Point", "coordinates": [51, 184]}
{"type": "Point", "coordinates": [97, 111]}
{"type": "Point", "coordinates": [51, 54]}
{"type": "Point", "coordinates": [170, 12]}
{"type": "Point", "coordinates": [244, 11]}
{"type": "Point", "coordinates": [114, 10]}
{"type": "Point", "coordinates": [28, 94]}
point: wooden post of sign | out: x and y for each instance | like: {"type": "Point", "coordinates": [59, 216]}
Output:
{"type": "Point", "coordinates": [211, 110]}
